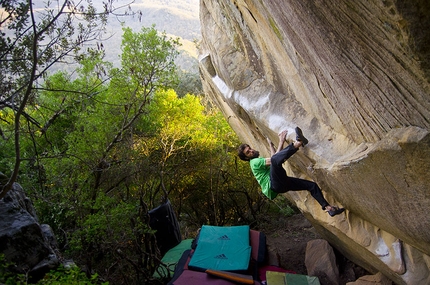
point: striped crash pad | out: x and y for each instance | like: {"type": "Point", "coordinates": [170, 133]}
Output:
{"type": "Point", "coordinates": [280, 278]}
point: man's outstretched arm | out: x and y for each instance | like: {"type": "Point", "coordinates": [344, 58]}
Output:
{"type": "Point", "coordinates": [282, 135]}
{"type": "Point", "coordinates": [272, 147]}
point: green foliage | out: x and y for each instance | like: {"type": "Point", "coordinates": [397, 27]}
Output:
{"type": "Point", "coordinates": [31, 43]}
{"type": "Point", "coordinates": [70, 276]}
{"type": "Point", "coordinates": [6, 144]}
{"type": "Point", "coordinates": [189, 83]}
{"type": "Point", "coordinates": [7, 277]}
{"type": "Point", "coordinates": [285, 207]}
{"type": "Point", "coordinates": [196, 148]}
{"type": "Point", "coordinates": [92, 187]}
{"type": "Point", "coordinates": [59, 276]}
{"type": "Point", "coordinates": [176, 120]}
{"type": "Point", "coordinates": [148, 58]}
{"type": "Point", "coordinates": [108, 224]}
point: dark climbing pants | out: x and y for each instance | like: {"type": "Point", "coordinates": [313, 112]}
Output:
{"type": "Point", "coordinates": [281, 182]}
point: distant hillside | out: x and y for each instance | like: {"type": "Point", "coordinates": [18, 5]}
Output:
{"type": "Point", "coordinates": [179, 18]}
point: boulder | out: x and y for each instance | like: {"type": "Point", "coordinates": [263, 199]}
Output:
{"type": "Point", "coordinates": [377, 279]}
{"type": "Point", "coordinates": [22, 238]}
{"type": "Point", "coordinates": [354, 75]}
{"type": "Point", "coordinates": [320, 261]}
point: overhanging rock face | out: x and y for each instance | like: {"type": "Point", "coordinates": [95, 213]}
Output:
{"type": "Point", "coordinates": [354, 75]}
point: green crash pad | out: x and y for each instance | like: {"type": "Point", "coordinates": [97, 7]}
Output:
{"type": "Point", "coordinates": [171, 258]}
{"type": "Point", "coordinates": [222, 248]}
{"type": "Point", "coordinates": [280, 278]}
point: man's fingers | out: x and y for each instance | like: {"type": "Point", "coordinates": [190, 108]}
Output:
{"type": "Point", "coordinates": [283, 134]}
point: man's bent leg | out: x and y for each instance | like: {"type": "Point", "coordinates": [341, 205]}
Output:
{"type": "Point", "coordinates": [297, 184]}
{"type": "Point", "coordinates": [279, 158]}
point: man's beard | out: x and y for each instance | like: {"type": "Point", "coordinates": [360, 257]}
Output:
{"type": "Point", "coordinates": [256, 154]}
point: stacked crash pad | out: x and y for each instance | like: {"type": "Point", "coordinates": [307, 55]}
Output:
{"type": "Point", "coordinates": [221, 256]}
{"type": "Point", "coordinates": [227, 256]}
{"type": "Point", "coordinates": [222, 248]}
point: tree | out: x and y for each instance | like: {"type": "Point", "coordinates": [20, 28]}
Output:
{"type": "Point", "coordinates": [189, 83]}
{"type": "Point", "coordinates": [194, 158]}
{"type": "Point", "coordinates": [32, 41]}
{"type": "Point", "coordinates": [89, 153]}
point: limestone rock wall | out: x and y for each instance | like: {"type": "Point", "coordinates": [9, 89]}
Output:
{"type": "Point", "coordinates": [354, 75]}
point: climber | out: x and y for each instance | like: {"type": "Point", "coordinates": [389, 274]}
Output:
{"type": "Point", "coordinates": [273, 178]}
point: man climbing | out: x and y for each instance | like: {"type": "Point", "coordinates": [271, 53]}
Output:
{"type": "Point", "coordinates": [273, 178]}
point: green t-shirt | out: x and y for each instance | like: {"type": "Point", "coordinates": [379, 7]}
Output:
{"type": "Point", "coordinates": [261, 172]}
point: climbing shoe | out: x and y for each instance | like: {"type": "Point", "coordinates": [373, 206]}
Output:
{"type": "Point", "coordinates": [335, 211]}
{"type": "Point", "coordinates": [300, 137]}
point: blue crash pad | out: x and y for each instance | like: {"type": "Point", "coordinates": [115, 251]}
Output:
{"type": "Point", "coordinates": [222, 248]}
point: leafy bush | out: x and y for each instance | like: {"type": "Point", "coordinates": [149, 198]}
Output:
{"type": "Point", "coordinates": [59, 276]}
{"type": "Point", "coordinates": [6, 276]}
{"type": "Point", "coordinates": [70, 276]}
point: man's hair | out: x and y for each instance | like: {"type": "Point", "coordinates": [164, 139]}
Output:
{"type": "Point", "coordinates": [240, 153]}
